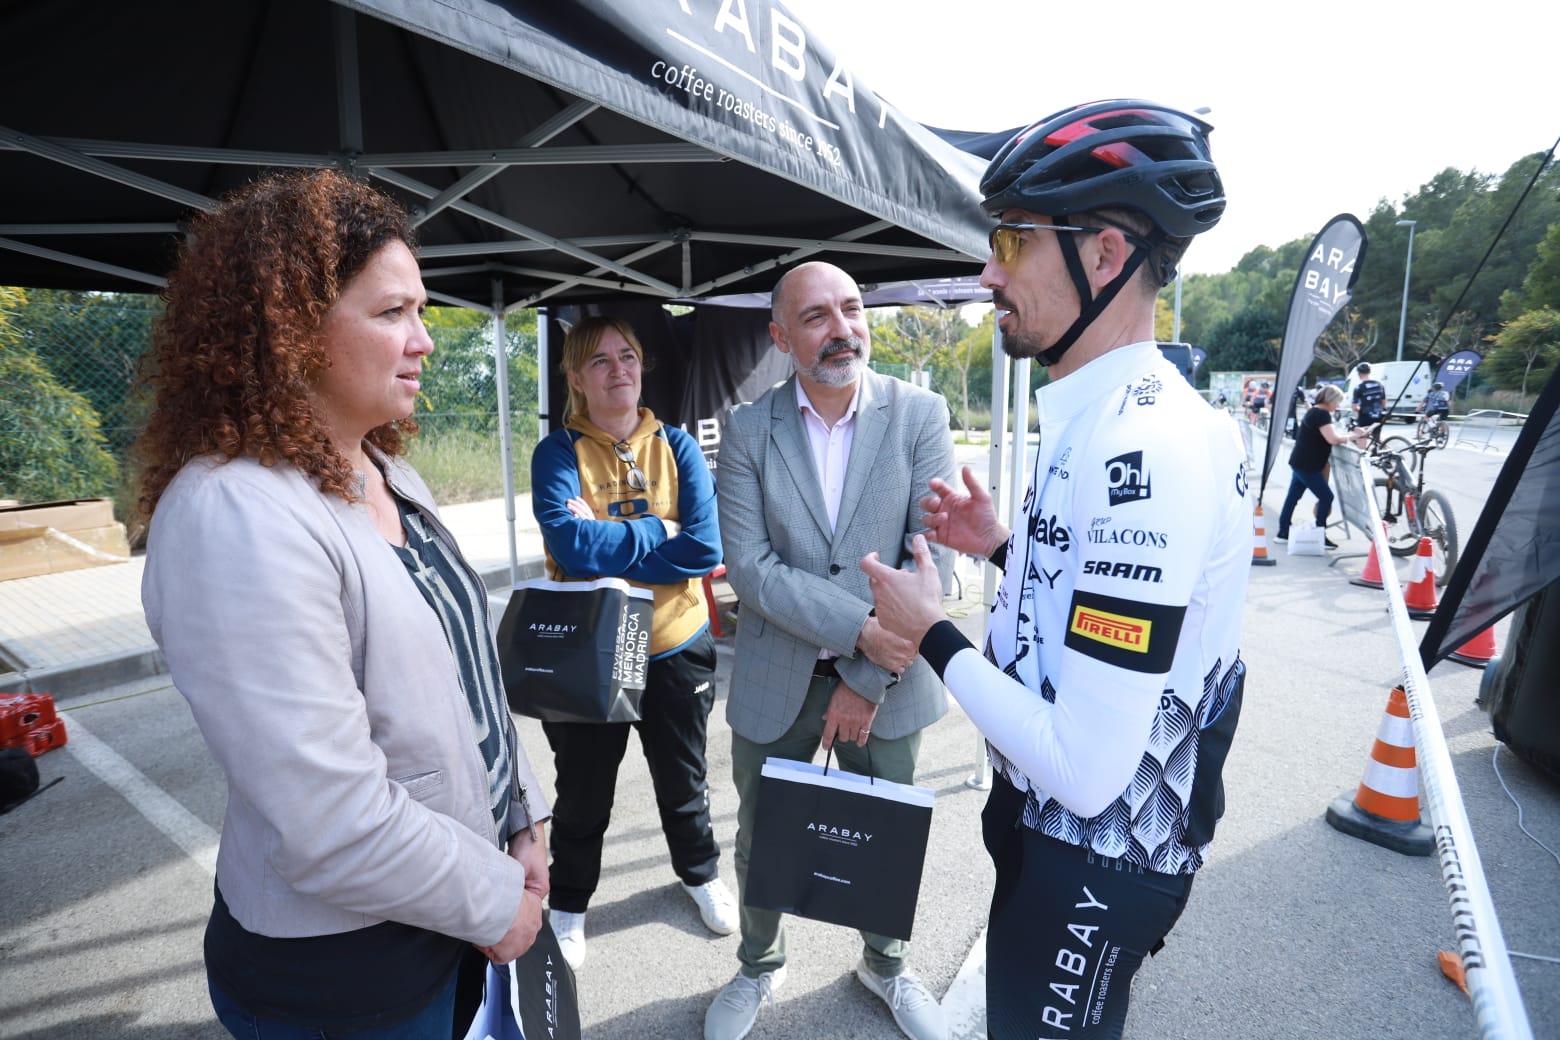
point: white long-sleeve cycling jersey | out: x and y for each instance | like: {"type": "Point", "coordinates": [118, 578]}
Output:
{"type": "Point", "coordinates": [1112, 678]}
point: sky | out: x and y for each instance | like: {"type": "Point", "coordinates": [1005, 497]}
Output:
{"type": "Point", "coordinates": [1318, 109]}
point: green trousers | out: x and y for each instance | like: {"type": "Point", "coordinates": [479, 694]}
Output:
{"type": "Point", "coordinates": [763, 931]}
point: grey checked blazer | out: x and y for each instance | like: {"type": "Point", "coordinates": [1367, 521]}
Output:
{"type": "Point", "coordinates": [801, 587]}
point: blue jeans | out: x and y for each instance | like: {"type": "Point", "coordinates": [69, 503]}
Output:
{"type": "Point", "coordinates": [1300, 482]}
{"type": "Point", "coordinates": [433, 1022]}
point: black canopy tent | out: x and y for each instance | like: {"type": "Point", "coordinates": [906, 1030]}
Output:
{"type": "Point", "coordinates": [554, 150]}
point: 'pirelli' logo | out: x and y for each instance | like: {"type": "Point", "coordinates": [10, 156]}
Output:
{"type": "Point", "coordinates": [1129, 633]}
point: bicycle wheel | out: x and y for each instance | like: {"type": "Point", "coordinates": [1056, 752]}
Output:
{"type": "Point", "coordinates": [1404, 450]}
{"type": "Point", "coordinates": [1402, 539]}
{"type": "Point", "coordinates": [1439, 435]}
{"type": "Point", "coordinates": [1436, 523]}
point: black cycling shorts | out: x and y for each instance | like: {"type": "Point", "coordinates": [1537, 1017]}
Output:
{"type": "Point", "coordinates": [1068, 930]}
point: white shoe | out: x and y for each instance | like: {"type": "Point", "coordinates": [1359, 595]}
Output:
{"type": "Point", "coordinates": [715, 904]}
{"type": "Point", "coordinates": [570, 930]}
{"type": "Point", "coordinates": [736, 1006]}
{"type": "Point", "coordinates": [916, 1011]}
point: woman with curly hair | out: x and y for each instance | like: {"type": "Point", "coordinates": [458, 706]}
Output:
{"type": "Point", "coordinates": [334, 646]}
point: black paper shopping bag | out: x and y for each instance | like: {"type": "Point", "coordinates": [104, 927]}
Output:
{"type": "Point", "coordinates": [532, 998]}
{"type": "Point", "coordinates": [576, 651]}
{"type": "Point", "coordinates": [838, 847]}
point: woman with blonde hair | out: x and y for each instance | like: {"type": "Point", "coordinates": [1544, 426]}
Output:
{"type": "Point", "coordinates": [1308, 462]}
{"type": "Point", "coordinates": [619, 494]}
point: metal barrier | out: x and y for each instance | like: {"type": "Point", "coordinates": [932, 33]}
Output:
{"type": "Point", "coordinates": [1497, 1003]}
{"type": "Point", "coordinates": [1485, 421]}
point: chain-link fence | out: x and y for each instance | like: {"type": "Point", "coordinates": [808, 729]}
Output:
{"type": "Point", "coordinates": [72, 404]}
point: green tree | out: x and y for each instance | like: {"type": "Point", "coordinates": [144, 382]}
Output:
{"type": "Point", "coordinates": [51, 446]}
{"type": "Point", "coordinates": [93, 342]}
{"type": "Point", "coordinates": [460, 384]}
{"type": "Point", "coordinates": [1541, 287]}
{"type": "Point", "coordinates": [1525, 349]}
{"type": "Point", "coordinates": [1346, 339]}
{"type": "Point", "coordinates": [972, 353]}
{"type": "Point", "coordinates": [1248, 341]}
{"type": "Point", "coordinates": [916, 335]}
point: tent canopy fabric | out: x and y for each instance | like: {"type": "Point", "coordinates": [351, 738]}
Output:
{"type": "Point", "coordinates": [554, 150]}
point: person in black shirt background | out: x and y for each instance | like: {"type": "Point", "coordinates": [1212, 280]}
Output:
{"type": "Point", "coordinates": [1369, 397]}
{"type": "Point", "coordinates": [1314, 441]}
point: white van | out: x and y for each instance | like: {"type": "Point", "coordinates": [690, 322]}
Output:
{"type": "Point", "coordinates": [1394, 376]}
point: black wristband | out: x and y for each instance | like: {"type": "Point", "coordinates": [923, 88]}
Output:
{"type": "Point", "coordinates": [940, 643]}
{"type": "Point", "coordinates": [999, 557]}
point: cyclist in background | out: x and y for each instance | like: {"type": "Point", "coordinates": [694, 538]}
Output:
{"type": "Point", "coordinates": [1437, 405]}
{"type": "Point", "coordinates": [1370, 397]}
{"type": "Point", "coordinates": [1259, 402]}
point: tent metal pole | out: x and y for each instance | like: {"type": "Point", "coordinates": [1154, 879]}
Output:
{"type": "Point", "coordinates": [349, 88]}
{"type": "Point", "coordinates": [482, 174]}
{"type": "Point", "coordinates": [505, 446]}
{"type": "Point", "coordinates": [981, 778]}
{"type": "Point", "coordinates": [543, 367]}
{"type": "Point", "coordinates": [82, 262]}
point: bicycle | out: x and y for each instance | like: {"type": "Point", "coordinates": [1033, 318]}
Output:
{"type": "Point", "coordinates": [1411, 512]}
{"type": "Point", "coordinates": [1432, 428]}
{"type": "Point", "coordinates": [1396, 444]}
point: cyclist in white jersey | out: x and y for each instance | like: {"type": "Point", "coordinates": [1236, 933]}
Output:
{"type": "Point", "coordinates": [1122, 596]}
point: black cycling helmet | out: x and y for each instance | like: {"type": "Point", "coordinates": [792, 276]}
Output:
{"type": "Point", "coordinates": [1362, 367]}
{"type": "Point", "coordinates": [1128, 154]}
{"type": "Point", "coordinates": [1131, 155]}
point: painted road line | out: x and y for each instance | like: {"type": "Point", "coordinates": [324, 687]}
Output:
{"type": "Point", "coordinates": [161, 809]}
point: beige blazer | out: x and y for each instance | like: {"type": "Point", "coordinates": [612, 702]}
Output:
{"type": "Point", "coordinates": [326, 691]}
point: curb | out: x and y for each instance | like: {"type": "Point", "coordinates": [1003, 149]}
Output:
{"type": "Point", "coordinates": [79, 678]}
{"type": "Point", "coordinates": [84, 677]}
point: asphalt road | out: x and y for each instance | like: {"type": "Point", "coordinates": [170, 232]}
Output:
{"type": "Point", "coordinates": [1293, 929]}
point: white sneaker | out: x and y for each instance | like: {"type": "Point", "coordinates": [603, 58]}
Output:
{"type": "Point", "coordinates": [570, 930]}
{"type": "Point", "coordinates": [916, 1011]}
{"type": "Point", "coordinates": [715, 904]}
{"type": "Point", "coordinates": [736, 1006]}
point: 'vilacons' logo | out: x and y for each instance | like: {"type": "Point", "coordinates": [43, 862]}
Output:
{"type": "Point", "coordinates": [839, 832]}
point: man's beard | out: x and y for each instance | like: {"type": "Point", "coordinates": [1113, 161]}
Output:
{"type": "Point", "coordinates": [825, 372]}
{"type": "Point", "coordinates": [1023, 345]}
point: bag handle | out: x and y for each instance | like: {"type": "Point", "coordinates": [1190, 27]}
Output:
{"type": "Point", "coordinates": [871, 769]}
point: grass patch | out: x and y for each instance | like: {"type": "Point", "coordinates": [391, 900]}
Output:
{"type": "Point", "coordinates": [1498, 400]}
{"type": "Point", "coordinates": [466, 466]}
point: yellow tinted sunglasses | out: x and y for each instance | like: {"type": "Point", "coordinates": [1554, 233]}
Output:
{"type": "Point", "coordinates": [1007, 239]}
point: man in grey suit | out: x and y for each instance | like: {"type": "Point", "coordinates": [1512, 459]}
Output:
{"type": "Point", "coordinates": [820, 470]}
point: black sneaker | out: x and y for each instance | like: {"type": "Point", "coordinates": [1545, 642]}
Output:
{"type": "Point", "coordinates": [1329, 543]}
{"type": "Point", "coordinates": [1281, 539]}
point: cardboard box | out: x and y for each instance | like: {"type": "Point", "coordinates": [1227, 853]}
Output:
{"type": "Point", "coordinates": [60, 536]}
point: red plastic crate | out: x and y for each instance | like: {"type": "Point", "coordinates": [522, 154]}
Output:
{"type": "Point", "coordinates": [42, 738]}
{"type": "Point", "coordinates": [21, 713]}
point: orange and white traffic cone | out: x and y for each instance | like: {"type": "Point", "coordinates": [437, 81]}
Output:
{"type": "Point", "coordinates": [1370, 577]}
{"type": "Point", "coordinates": [1385, 809]}
{"type": "Point", "coordinates": [1478, 651]}
{"type": "Point", "coordinates": [1419, 597]}
{"type": "Point", "coordinates": [1259, 552]}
